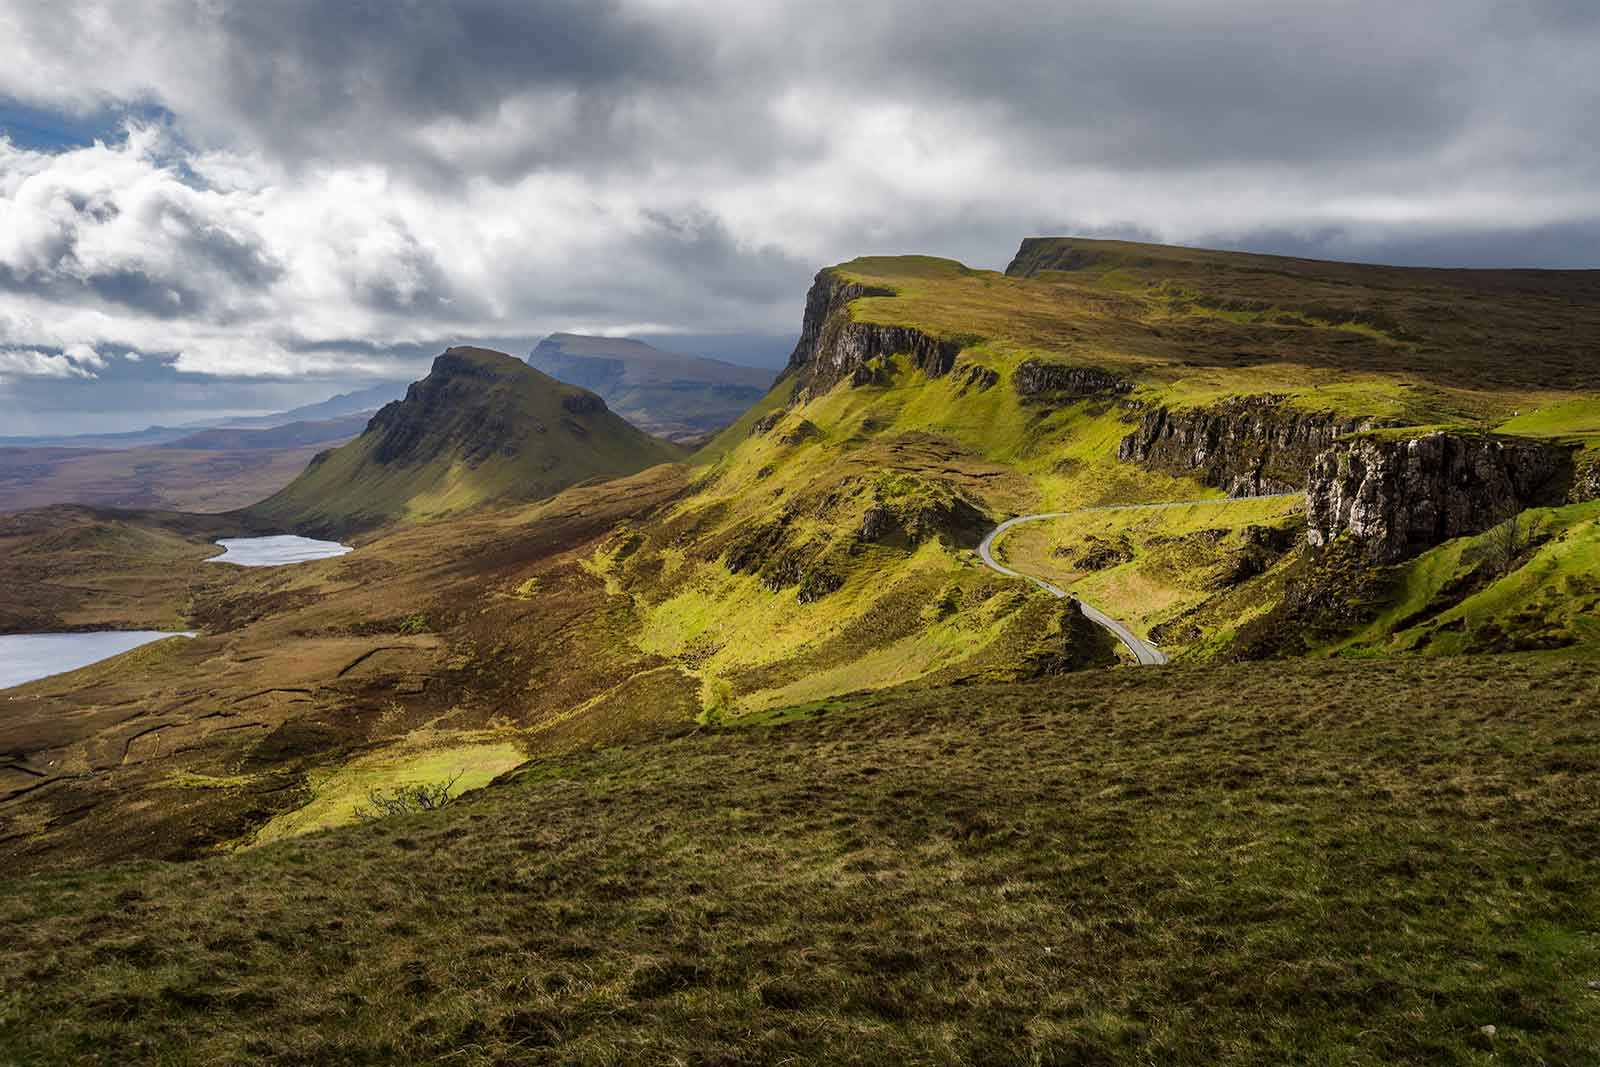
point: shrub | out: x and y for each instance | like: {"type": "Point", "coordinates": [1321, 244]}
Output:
{"type": "Point", "coordinates": [405, 799]}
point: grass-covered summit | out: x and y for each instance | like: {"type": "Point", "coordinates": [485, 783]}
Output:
{"type": "Point", "coordinates": [482, 426]}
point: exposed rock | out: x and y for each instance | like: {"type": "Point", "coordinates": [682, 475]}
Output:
{"type": "Point", "coordinates": [1249, 446]}
{"type": "Point", "coordinates": [833, 347]}
{"type": "Point", "coordinates": [1326, 595]}
{"type": "Point", "coordinates": [975, 377]}
{"type": "Point", "coordinates": [1099, 553]}
{"type": "Point", "coordinates": [583, 403]}
{"type": "Point", "coordinates": [765, 423]}
{"type": "Point", "coordinates": [1395, 498]}
{"type": "Point", "coordinates": [803, 430]}
{"type": "Point", "coordinates": [1586, 480]}
{"type": "Point", "coordinates": [1175, 632]}
{"type": "Point", "coordinates": [1034, 376]}
{"type": "Point", "coordinates": [817, 583]}
{"type": "Point", "coordinates": [918, 509]}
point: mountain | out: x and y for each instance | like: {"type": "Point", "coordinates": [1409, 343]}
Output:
{"type": "Point", "coordinates": [150, 435]}
{"type": "Point", "coordinates": [681, 398]}
{"type": "Point", "coordinates": [289, 435]}
{"type": "Point", "coordinates": [204, 471]}
{"type": "Point", "coordinates": [482, 426]}
{"type": "Point", "coordinates": [343, 405]}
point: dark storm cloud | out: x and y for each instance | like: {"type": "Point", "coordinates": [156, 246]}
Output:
{"type": "Point", "coordinates": [340, 185]}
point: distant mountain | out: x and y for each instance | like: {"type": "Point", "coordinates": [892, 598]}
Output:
{"type": "Point", "coordinates": [358, 402]}
{"type": "Point", "coordinates": [361, 402]}
{"type": "Point", "coordinates": [481, 426]}
{"type": "Point", "coordinates": [294, 435]}
{"type": "Point", "coordinates": [150, 435]}
{"type": "Point", "coordinates": [681, 398]}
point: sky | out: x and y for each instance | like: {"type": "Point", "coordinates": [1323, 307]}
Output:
{"type": "Point", "coordinates": [213, 206]}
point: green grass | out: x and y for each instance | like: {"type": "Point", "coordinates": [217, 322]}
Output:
{"type": "Point", "coordinates": [1359, 863]}
{"type": "Point", "coordinates": [1178, 557]}
{"type": "Point", "coordinates": [1446, 603]}
{"type": "Point", "coordinates": [337, 792]}
{"type": "Point", "coordinates": [1575, 418]}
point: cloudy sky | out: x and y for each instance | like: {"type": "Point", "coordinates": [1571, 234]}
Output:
{"type": "Point", "coordinates": [212, 205]}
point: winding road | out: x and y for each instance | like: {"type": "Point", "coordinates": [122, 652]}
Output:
{"type": "Point", "coordinates": [1147, 654]}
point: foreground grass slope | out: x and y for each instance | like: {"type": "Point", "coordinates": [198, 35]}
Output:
{"type": "Point", "coordinates": [1354, 862]}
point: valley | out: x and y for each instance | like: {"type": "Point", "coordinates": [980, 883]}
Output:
{"type": "Point", "coordinates": [978, 594]}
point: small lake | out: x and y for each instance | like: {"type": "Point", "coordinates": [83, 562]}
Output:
{"type": "Point", "coordinates": [25, 657]}
{"type": "Point", "coordinates": [276, 551]}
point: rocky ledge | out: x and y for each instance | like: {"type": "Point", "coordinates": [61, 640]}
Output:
{"type": "Point", "coordinates": [1248, 446]}
{"type": "Point", "coordinates": [1396, 497]}
{"type": "Point", "coordinates": [833, 347]}
{"type": "Point", "coordinates": [1035, 377]}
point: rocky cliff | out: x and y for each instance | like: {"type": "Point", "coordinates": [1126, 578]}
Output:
{"type": "Point", "coordinates": [1396, 497]}
{"type": "Point", "coordinates": [1036, 377]}
{"type": "Point", "coordinates": [833, 347]}
{"type": "Point", "coordinates": [1249, 446]}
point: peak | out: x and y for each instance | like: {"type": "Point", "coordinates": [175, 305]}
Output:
{"type": "Point", "coordinates": [486, 358]}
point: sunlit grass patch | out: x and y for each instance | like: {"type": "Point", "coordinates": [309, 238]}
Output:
{"type": "Point", "coordinates": [336, 793]}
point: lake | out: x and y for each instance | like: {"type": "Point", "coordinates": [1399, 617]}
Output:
{"type": "Point", "coordinates": [24, 657]}
{"type": "Point", "coordinates": [276, 551]}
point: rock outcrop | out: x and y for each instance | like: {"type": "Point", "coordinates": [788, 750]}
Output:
{"type": "Point", "coordinates": [1586, 480]}
{"type": "Point", "coordinates": [1396, 497]}
{"type": "Point", "coordinates": [833, 347]}
{"type": "Point", "coordinates": [460, 409]}
{"type": "Point", "coordinates": [1248, 446]}
{"type": "Point", "coordinates": [1034, 377]}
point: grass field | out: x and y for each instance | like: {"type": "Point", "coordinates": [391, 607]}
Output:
{"type": "Point", "coordinates": [1337, 862]}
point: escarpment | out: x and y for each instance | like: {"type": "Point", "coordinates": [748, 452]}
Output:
{"type": "Point", "coordinates": [461, 410]}
{"type": "Point", "coordinates": [833, 347]}
{"type": "Point", "coordinates": [1248, 446]}
{"type": "Point", "coordinates": [1036, 377]}
{"type": "Point", "coordinates": [1395, 498]}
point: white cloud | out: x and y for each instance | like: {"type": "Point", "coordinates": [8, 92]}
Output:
{"type": "Point", "coordinates": [336, 185]}
{"type": "Point", "coordinates": [31, 363]}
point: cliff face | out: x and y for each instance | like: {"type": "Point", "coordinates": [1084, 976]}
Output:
{"type": "Point", "coordinates": [833, 347]}
{"type": "Point", "coordinates": [455, 409]}
{"type": "Point", "coordinates": [1586, 480]}
{"type": "Point", "coordinates": [1249, 446]}
{"type": "Point", "coordinates": [1397, 497]}
{"type": "Point", "coordinates": [1034, 377]}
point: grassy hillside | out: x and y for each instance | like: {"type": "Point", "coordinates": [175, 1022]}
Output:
{"type": "Point", "coordinates": [678, 397]}
{"type": "Point", "coordinates": [482, 426]}
{"type": "Point", "coordinates": [1363, 863]}
{"type": "Point", "coordinates": [822, 545]}
{"type": "Point", "coordinates": [808, 606]}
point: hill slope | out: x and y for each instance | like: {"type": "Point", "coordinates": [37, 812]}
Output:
{"type": "Point", "coordinates": [670, 395]}
{"type": "Point", "coordinates": [481, 426]}
{"type": "Point", "coordinates": [1367, 862]}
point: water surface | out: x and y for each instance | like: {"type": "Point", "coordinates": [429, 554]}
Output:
{"type": "Point", "coordinates": [276, 551]}
{"type": "Point", "coordinates": [25, 657]}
